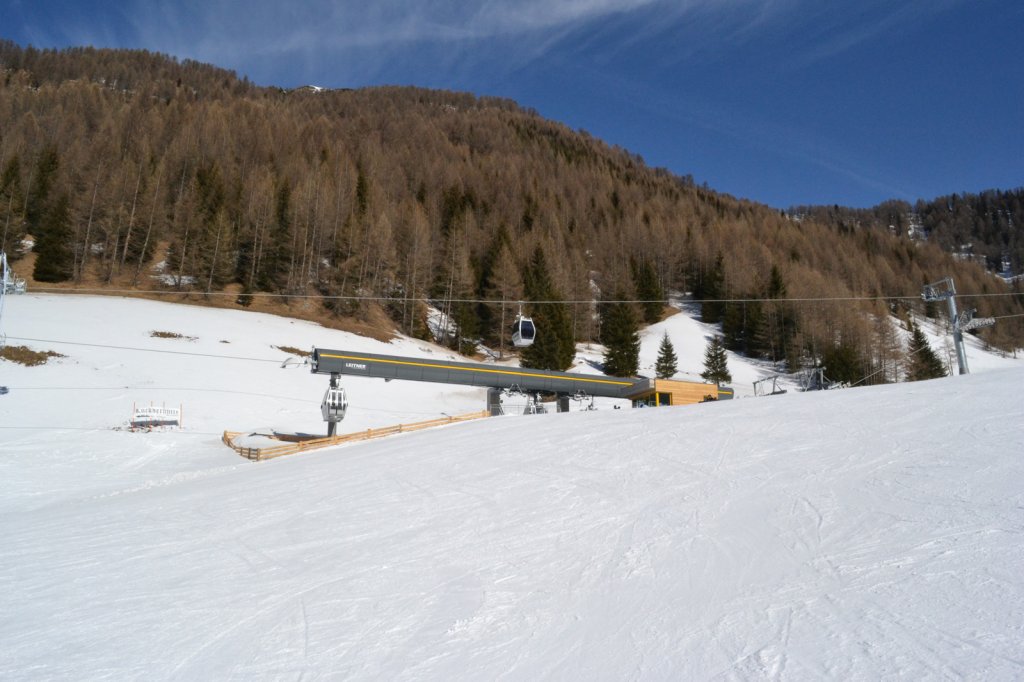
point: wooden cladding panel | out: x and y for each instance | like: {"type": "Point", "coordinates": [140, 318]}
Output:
{"type": "Point", "coordinates": [685, 392]}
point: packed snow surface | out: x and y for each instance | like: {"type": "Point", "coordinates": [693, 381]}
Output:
{"type": "Point", "coordinates": [868, 533]}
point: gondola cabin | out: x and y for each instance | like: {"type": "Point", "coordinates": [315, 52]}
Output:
{"type": "Point", "coordinates": [523, 332]}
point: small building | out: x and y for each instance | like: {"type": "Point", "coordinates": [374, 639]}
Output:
{"type": "Point", "coordinates": [665, 392]}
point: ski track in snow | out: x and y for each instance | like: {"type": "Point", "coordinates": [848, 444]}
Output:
{"type": "Point", "coordinates": [860, 534]}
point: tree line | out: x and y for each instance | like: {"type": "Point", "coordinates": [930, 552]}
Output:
{"type": "Point", "coordinates": [134, 170]}
{"type": "Point", "coordinates": [986, 225]}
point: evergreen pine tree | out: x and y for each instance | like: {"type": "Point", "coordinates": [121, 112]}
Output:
{"type": "Point", "coordinates": [667, 364]}
{"type": "Point", "coordinates": [712, 289]}
{"type": "Point", "coordinates": [54, 258]}
{"type": "Point", "coordinates": [733, 326]}
{"type": "Point", "coordinates": [37, 203]}
{"type": "Point", "coordinates": [716, 367]}
{"type": "Point", "coordinates": [776, 285]}
{"type": "Point", "coordinates": [362, 192]}
{"type": "Point", "coordinates": [276, 263]}
{"type": "Point", "coordinates": [467, 326]}
{"type": "Point", "coordinates": [621, 339]}
{"type": "Point", "coordinates": [506, 285]}
{"type": "Point", "coordinates": [245, 297]}
{"type": "Point", "coordinates": [649, 290]}
{"type": "Point", "coordinates": [554, 346]}
{"type": "Point", "coordinates": [11, 208]}
{"type": "Point", "coordinates": [842, 363]}
{"type": "Point", "coordinates": [795, 355]}
{"type": "Point", "coordinates": [753, 319]}
{"type": "Point", "coordinates": [489, 285]}
{"type": "Point", "coordinates": [771, 322]}
{"type": "Point", "coordinates": [923, 362]}
{"type": "Point", "coordinates": [214, 230]}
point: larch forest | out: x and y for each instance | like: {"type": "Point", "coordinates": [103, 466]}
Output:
{"type": "Point", "coordinates": [134, 171]}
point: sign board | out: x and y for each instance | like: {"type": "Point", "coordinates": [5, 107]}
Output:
{"type": "Point", "coordinates": [147, 416]}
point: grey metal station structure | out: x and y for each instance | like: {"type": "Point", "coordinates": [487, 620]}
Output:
{"type": "Point", "coordinates": [496, 378]}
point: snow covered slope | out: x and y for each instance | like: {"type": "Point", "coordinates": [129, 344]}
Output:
{"type": "Point", "coordinates": [859, 534]}
{"type": "Point", "coordinates": [225, 372]}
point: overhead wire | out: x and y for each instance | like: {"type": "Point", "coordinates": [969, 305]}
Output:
{"type": "Point", "coordinates": [190, 389]}
{"type": "Point", "coordinates": [222, 357]}
{"type": "Point", "coordinates": [494, 301]}
{"type": "Point", "coordinates": [252, 359]}
{"type": "Point", "coordinates": [144, 350]}
{"type": "Point", "coordinates": [883, 369]}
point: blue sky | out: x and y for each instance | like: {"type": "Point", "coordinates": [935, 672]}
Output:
{"type": "Point", "coordinates": [781, 101]}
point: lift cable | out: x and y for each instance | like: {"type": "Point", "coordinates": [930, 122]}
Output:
{"type": "Point", "coordinates": [275, 396]}
{"type": "Point", "coordinates": [493, 301]}
{"type": "Point", "coordinates": [144, 350]}
{"type": "Point", "coordinates": [909, 355]}
{"type": "Point", "coordinates": [189, 389]}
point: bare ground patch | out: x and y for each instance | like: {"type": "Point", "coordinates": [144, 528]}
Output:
{"type": "Point", "coordinates": [171, 335]}
{"type": "Point", "coordinates": [26, 356]}
{"type": "Point", "coordinates": [292, 350]}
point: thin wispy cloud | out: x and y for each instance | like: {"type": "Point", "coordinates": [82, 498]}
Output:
{"type": "Point", "coordinates": [276, 27]}
{"type": "Point", "coordinates": [832, 33]}
{"type": "Point", "coordinates": [220, 28]}
{"type": "Point", "coordinates": [359, 38]}
{"type": "Point", "coordinates": [231, 32]}
{"type": "Point", "coordinates": [775, 138]}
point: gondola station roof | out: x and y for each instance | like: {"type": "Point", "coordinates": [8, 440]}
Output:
{"type": "Point", "coordinates": [372, 365]}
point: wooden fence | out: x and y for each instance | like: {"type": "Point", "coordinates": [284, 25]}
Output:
{"type": "Point", "coordinates": [259, 454]}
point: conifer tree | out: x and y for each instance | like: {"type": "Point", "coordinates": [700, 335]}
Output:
{"type": "Point", "coordinates": [648, 290]}
{"type": "Point", "coordinates": [11, 207]}
{"type": "Point", "coordinates": [506, 285]}
{"type": "Point", "coordinates": [491, 327]}
{"type": "Point", "coordinates": [716, 360]}
{"type": "Point", "coordinates": [460, 288]}
{"type": "Point", "coordinates": [776, 285]}
{"type": "Point", "coordinates": [621, 339]}
{"type": "Point", "coordinates": [667, 363]}
{"type": "Point", "coordinates": [922, 360]}
{"type": "Point", "coordinates": [274, 269]}
{"type": "Point", "coordinates": [362, 192]}
{"type": "Point", "coordinates": [842, 363]}
{"type": "Point", "coordinates": [712, 289]}
{"type": "Point", "coordinates": [554, 346]}
{"type": "Point", "coordinates": [213, 228]}
{"type": "Point", "coordinates": [55, 260]}
{"type": "Point", "coordinates": [768, 335]}
{"type": "Point", "coordinates": [37, 203]}
{"type": "Point", "coordinates": [733, 326]}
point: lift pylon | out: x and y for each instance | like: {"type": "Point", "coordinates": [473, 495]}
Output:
{"type": "Point", "coordinates": [944, 290]}
{"type": "Point", "coordinates": [961, 322]}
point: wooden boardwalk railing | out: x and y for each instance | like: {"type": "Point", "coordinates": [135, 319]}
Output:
{"type": "Point", "coordinates": [259, 454]}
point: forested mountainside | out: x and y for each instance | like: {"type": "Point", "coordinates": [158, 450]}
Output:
{"type": "Point", "coordinates": [133, 170]}
{"type": "Point", "coordinates": [988, 226]}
